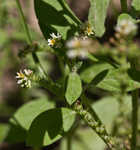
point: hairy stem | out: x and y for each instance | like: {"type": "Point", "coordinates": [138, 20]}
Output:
{"type": "Point", "coordinates": [135, 95]}
{"type": "Point", "coordinates": [90, 109]}
{"type": "Point", "coordinates": [97, 126]}
{"type": "Point", "coordinates": [124, 5]}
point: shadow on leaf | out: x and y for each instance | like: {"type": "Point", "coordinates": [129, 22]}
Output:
{"type": "Point", "coordinates": [54, 17]}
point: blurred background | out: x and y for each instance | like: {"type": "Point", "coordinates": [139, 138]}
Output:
{"type": "Point", "coordinates": [12, 40]}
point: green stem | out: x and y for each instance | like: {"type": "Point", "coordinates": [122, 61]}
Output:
{"type": "Point", "coordinates": [29, 39]}
{"type": "Point", "coordinates": [90, 109]}
{"type": "Point", "coordinates": [61, 65]}
{"type": "Point", "coordinates": [124, 5]}
{"type": "Point", "coordinates": [135, 95]}
{"type": "Point", "coordinates": [69, 12]}
{"type": "Point", "coordinates": [95, 125]}
{"type": "Point", "coordinates": [69, 143]}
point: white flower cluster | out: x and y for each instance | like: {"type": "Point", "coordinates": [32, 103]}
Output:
{"type": "Point", "coordinates": [24, 78]}
{"type": "Point", "coordinates": [55, 40]}
{"type": "Point", "coordinates": [126, 27]}
{"type": "Point", "coordinates": [78, 47]}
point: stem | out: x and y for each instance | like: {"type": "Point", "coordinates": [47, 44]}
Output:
{"type": "Point", "coordinates": [90, 109]}
{"type": "Point", "coordinates": [29, 39]}
{"type": "Point", "coordinates": [61, 65]}
{"type": "Point", "coordinates": [69, 143]}
{"type": "Point", "coordinates": [95, 125]}
{"type": "Point", "coordinates": [135, 95]}
{"type": "Point", "coordinates": [69, 12]}
{"type": "Point", "coordinates": [124, 5]}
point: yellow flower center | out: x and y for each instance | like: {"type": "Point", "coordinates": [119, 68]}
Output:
{"type": "Point", "coordinates": [21, 75]}
{"type": "Point", "coordinates": [52, 42]}
{"type": "Point", "coordinates": [77, 44]}
{"type": "Point", "coordinates": [89, 30]}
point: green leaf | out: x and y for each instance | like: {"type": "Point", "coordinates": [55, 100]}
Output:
{"type": "Point", "coordinates": [28, 112]}
{"type": "Point", "coordinates": [22, 119]}
{"type": "Point", "coordinates": [91, 72]}
{"type": "Point", "coordinates": [136, 4]}
{"type": "Point", "coordinates": [85, 138]}
{"type": "Point", "coordinates": [50, 126]}
{"type": "Point", "coordinates": [111, 81]}
{"type": "Point", "coordinates": [55, 16]}
{"type": "Point", "coordinates": [108, 108]}
{"type": "Point", "coordinates": [97, 15]}
{"type": "Point", "coordinates": [74, 88]}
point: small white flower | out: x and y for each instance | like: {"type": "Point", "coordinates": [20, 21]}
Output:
{"type": "Point", "coordinates": [55, 40]}
{"type": "Point", "coordinates": [28, 72]}
{"type": "Point", "coordinates": [73, 43]}
{"type": "Point", "coordinates": [126, 27]}
{"type": "Point", "coordinates": [24, 78]}
{"type": "Point", "coordinates": [72, 53]}
{"type": "Point", "coordinates": [78, 47]}
{"type": "Point", "coordinates": [58, 36]}
{"type": "Point", "coordinates": [83, 54]}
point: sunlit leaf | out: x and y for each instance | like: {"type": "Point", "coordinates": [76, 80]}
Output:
{"type": "Point", "coordinates": [111, 81]}
{"type": "Point", "coordinates": [97, 15]}
{"type": "Point", "coordinates": [136, 4]}
{"type": "Point", "coordinates": [91, 72]}
{"type": "Point", "coordinates": [74, 88]}
{"type": "Point", "coordinates": [23, 118]}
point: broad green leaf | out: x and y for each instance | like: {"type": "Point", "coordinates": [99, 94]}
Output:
{"type": "Point", "coordinates": [111, 81]}
{"type": "Point", "coordinates": [3, 131]}
{"type": "Point", "coordinates": [91, 72]}
{"type": "Point", "coordinates": [108, 108]}
{"type": "Point", "coordinates": [28, 112]}
{"type": "Point", "coordinates": [85, 138]}
{"type": "Point", "coordinates": [50, 126]}
{"type": "Point", "coordinates": [125, 17]}
{"type": "Point", "coordinates": [15, 134]}
{"type": "Point", "coordinates": [97, 15]}
{"type": "Point", "coordinates": [74, 88]}
{"type": "Point", "coordinates": [55, 16]}
{"type": "Point", "coordinates": [23, 118]}
{"type": "Point", "coordinates": [136, 4]}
